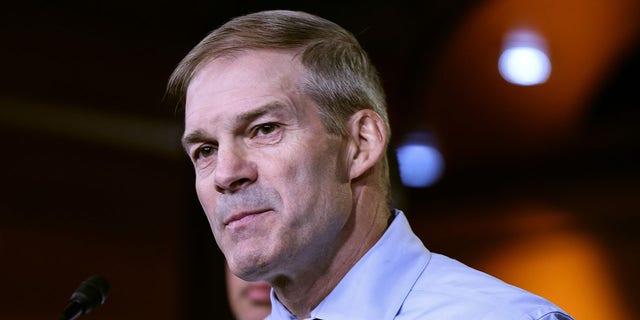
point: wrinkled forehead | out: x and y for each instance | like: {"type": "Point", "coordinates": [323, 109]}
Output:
{"type": "Point", "coordinates": [224, 88]}
{"type": "Point", "coordinates": [251, 68]}
{"type": "Point", "coordinates": [271, 62]}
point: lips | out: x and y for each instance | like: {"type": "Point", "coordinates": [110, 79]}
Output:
{"type": "Point", "coordinates": [243, 215]}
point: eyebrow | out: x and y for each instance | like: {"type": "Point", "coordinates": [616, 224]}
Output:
{"type": "Point", "coordinates": [191, 138]}
{"type": "Point", "coordinates": [199, 135]}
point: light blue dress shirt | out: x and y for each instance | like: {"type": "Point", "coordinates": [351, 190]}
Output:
{"type": "Point", "coordinates": [398, 278]}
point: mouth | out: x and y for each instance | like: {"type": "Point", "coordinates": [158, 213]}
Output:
{"type": "Point", "coordinates": [242, 217]}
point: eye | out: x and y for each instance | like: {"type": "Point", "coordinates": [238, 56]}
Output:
{"type": "Point", "coordinates": [265, 129]}
{"type": "Point", "coordinates": [204, 151]}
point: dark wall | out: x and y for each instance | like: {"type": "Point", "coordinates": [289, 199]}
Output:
{"type": "Point", "coordinates": [94, 181]}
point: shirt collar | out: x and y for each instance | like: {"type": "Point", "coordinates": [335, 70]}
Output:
{"type": "Point", "coordinates": [377, 285]}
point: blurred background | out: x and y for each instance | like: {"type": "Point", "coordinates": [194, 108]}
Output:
{"type": "Point", "coordinates": [515, 124]}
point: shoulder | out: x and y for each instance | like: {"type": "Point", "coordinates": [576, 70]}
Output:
{"type": "Point", "coordinates": [449, 289]}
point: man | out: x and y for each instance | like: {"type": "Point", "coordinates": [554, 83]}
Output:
{"type": "Point", "coordinates": [248, 300]}
{"type": "Point", "coordinates": [286, 125]}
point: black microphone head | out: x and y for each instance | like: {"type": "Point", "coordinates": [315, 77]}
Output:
{"type": "Point", "coordinates": [91, 293]}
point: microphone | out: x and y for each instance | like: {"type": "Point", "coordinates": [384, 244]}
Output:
{"type": "Point", "coordinates": [90, 294]}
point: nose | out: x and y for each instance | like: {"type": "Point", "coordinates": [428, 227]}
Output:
{"type": "Point", "coordinates": [234, 170]}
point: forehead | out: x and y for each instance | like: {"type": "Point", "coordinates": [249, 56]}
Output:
{"type": "Point", "coordinates": [237, 84]}
{"type": "Point", "coordinates": [257, 71]}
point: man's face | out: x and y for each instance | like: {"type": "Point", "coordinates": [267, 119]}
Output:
{"type": "Point", "coordinates": [273, 183]}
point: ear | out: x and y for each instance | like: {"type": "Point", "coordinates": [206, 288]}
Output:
{"type": "Point", "coordinates": [368, 141]}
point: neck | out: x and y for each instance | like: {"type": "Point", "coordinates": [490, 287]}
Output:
{"type": "Point", "coordinates": [368, 220]}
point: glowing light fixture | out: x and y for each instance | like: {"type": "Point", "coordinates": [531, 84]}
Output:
{"type": "Point", "coordinates": [420, 163]}
{"type": "Point", "coordinates": [524, 60]}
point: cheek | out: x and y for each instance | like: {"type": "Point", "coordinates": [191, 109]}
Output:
{"type": "Point", "coordinates": [201, 192]}
{"type": "Point", "coordinates": [311, 178]}
{"type": "Point", "coordinates": [206, 196]}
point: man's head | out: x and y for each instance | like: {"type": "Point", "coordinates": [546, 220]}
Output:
{"type": "Point", "coordinates": [286, 125]}
{"type": "Point", "coordinates": [339, 76]}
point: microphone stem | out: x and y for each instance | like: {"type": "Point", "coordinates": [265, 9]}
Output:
{"type": "Point", "coordinates": [72, 311]}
